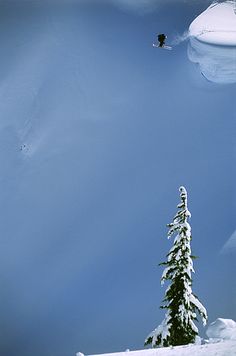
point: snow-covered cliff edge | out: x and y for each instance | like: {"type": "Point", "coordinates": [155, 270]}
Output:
{"type": "Point", "coordinates": [216, 25]}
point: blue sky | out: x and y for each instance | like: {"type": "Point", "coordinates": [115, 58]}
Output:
{"type": "Point", "coordinates": [98, 131]}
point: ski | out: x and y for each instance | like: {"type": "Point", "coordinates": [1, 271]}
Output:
{"type": "Point", "coordinates": [164, 47]}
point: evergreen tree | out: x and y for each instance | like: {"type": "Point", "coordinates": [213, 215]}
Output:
{"type": "Point", "coordinates": [181, 304]}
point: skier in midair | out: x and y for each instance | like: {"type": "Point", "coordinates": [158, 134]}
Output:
{"type": "Point", "coordinates": [161, 39]}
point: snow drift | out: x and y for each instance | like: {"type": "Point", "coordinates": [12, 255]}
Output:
{"type": "Point", "coordinates": [222, 329]}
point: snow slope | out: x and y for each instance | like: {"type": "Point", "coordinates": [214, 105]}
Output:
{"type": "Point", "coordinates": [224, 348]}
{"type": "Point", "coordinates": [216, 25]}
{"type": "Point", "coordinates": [216, 63]}
{"type": "Point", "coordinates": [222, 342]}
{"type": "Point", "coordinates": [85, 170]}
{"type": "Point", "coordinates": [230, 245]}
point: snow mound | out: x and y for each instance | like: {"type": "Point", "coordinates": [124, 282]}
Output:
{"type": "Point", "coordinates": [216, 25]}
{"type": "Point", "coordinates": [222, 329]}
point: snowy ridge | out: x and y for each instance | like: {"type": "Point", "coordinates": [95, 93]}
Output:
{"type": "Point", "coordinates": [224, 348]}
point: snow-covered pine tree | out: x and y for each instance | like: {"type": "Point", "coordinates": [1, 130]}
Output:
{"type": "Point", "coordinates": [181, 304]}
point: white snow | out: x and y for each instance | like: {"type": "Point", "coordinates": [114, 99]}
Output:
{"type": "Point", "coordinates": [222, 329]}
{"type": "Point", "coordinates": [200, 307]}
{"type": "Point", "coordinates": [216, 25]}
{"type": "Point", "coordinates": [162, 329]}
{"type": "Point", "coordinates": [224, 348]}
{"type": "Point", "coordinates": [216, 63]}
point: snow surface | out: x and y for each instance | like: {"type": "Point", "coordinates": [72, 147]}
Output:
{"type": "Point", "coordinates": [216, 25]}
{"type": "Point", "coordinates": [222, 342]}
{"type": "Point", "coordinates": [216, 63]}
{"type": "Point", "coordinates": [224, 348]}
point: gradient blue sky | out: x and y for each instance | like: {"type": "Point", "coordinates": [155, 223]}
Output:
{"type": "Point", "coordinates": [97, 132]}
